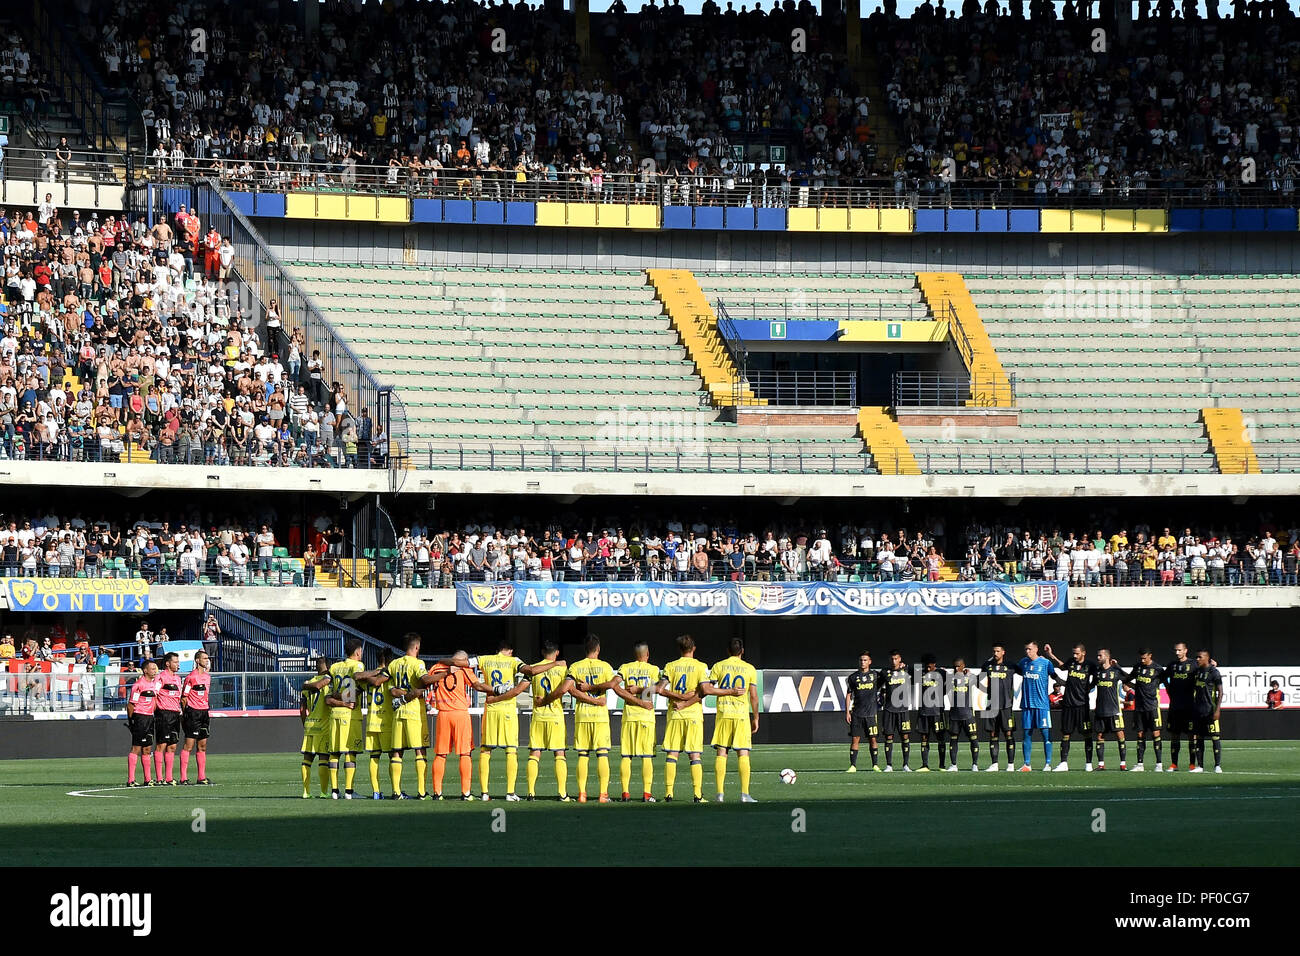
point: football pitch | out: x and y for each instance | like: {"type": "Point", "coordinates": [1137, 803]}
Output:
{"type": "Point", "coordinates": [77, 812]}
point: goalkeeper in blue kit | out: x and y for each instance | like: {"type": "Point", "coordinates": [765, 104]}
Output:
{"type": "Point", "coordinates": [1035, 706]}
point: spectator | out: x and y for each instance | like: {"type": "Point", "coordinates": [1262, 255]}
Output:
{"type": "Point", "coordinates": [1274, 699]}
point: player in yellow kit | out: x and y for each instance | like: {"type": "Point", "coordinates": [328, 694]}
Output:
{"type": "Point", "coordinates": [348, 678]}
{"type": "Point", "coordinates": [508, 677]}
{"type": "Point", "coordinates": [314, 714]}
{"type": "Point", "coordinates": [546, 726]}
{"type": "Point", "coordinates": [379, 724]}
{"type": "Point", "coordinates": [591, 678]}
{"type": "Point", "coordinates": [641, 682]}
{"type": "Point", "coordinates": [737, 718]}
{"type": "Point", "coordinates": [410, 721]}
{"type": "Point", "coordinates": [686, 684]}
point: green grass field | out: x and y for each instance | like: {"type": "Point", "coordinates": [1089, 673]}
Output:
{"type": "Point", "coordinates": [74, 812]}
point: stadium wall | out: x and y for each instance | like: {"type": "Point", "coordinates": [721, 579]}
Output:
{"type": "Point", "coordinates": [29, 740]}
{"type": "Point", "coordinates": [465, 246]}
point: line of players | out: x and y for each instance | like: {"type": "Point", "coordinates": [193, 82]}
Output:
{"type": "Point", "coordinates": [878, 703]}
{"type": "Point", "coordinates": [162, 706]}
{"type": "Point", "coordinates": [347, 710]}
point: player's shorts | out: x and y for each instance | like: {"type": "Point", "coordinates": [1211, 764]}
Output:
{"type": "Point", "coordinates": [167, 726]}
{"type": "Point", "coordinates": [590, 735]}
{"type": "Point", "coordinates": [1205, 727]}
{"type": "Point", "coordinates": [454, 734]}
{"type": "Point", "coordinates": [732, 733]}
{"type": "Point", "coordinates": [141, 730]}
{"type": "Point", "coordinates": [684, 736]}
{"type": "Point", "coordinates": [1075, 720]}
{"type": "Point", "coordinates": [195, 724]}
{"type": "Point", "coordinates": [309, 744]}
{"type": "Point", "coordinates": [1146, 721]}
{"type": "Point", "coordinates": [1036, 719]}
{"type": "Point", "coordinates": [1001, 723]}
{"type": "Point", "coordinates": [636, 739]}
{"type": "Point", "coordinates": [379, 740]}
{"type": "Point", "coordinates": [1181, 720]}
{"type": "Point", "coordinates": [893, 723]}
{"type": "Point", "coordinates": [1108, 725]}
{"type": "Point", "coordinates": [957, 725]}
{"type": "Point", "coordinates": [500, 727]}
{"type": "Point", "coordinates": [411, 733]}
{"type": "Point", "coordinates": [344, 735]}
{"type": "Point", "coordinates": [868, 726]}
{"type": "Point", "coordinates": [546, 735]}
{"type": "Point", "coordinates": [930, 724]}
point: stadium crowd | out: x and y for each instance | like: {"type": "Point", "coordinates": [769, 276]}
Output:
{"type": "Point", "coordinates": [124, 340]}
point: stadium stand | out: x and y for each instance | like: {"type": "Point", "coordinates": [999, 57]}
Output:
{"type": "Point", "coordinates": [524, 373]}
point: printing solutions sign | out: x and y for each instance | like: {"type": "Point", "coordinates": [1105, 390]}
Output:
{"type": "Point", "coordinates": [650, 599]}
{"type": "Point", "coordinates": [80, 595]}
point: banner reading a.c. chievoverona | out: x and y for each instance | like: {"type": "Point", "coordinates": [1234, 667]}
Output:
{"type": "Point", "coordinates": [648, 598]}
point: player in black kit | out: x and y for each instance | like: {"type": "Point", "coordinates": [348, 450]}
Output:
{"type": "Point", "coordinates": [897, 693]}
{"type": "Point", "coordinates": [961, 717]}
{"type": "Point", "coordinates": [1076, 716]}
{"type": "Point", "coordinates": [1002, 693]}
{"type": "Point", "coordinates": [1178, 681]}
{"type": "Point", "coordinates": [1109, 715]}
{"type": "Point", "coordinates": [1146, 678]}
{"type": "Point", "coordinates": [861, 710]}
{"type": "Point", "coordinates": [929, 713]}
{"type": "Point", "coordinates": [1208, 683]}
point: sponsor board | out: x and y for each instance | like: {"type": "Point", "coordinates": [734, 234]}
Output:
{"type": "Point", "coordinates": [80, 595]}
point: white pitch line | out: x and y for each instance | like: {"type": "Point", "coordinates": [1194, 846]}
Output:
{"type": "Point", "coordinates": [92, 793]}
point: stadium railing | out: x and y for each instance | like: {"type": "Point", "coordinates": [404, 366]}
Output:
{"type": "Point", "coordinates": [800, 191]}
{"type": "Point", "coordinates": [950, 389]}
{"type": "Point", "coordinates": [796, 387]}
{"type": "Point", "coordinates": [267, 278]}
{"type": "Point", "coordinates": [799, 308]}
{"type": "Point", "coordinates": [91, 690]}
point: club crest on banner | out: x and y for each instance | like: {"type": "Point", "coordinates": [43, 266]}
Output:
{"type": "Point", "coordinates": [491, 598]}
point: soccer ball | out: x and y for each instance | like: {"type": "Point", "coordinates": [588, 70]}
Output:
{"type": "Point", "coordinates": [788, 776]}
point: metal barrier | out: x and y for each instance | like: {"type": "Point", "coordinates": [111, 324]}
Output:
{"type": "Point", "coordinates": [752, 189]}
{"type": "Point", "coordinates": [796, 388]}
{"type": "Point", "coordinates": [799, 308]}
{"type": "Point", "coordinates": [267, 278]}
{"type": "Point", "coordinates": [950, 390]}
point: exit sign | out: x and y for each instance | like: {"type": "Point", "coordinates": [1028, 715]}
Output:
{"type": "Point", "coordinates": [777, 330]}
{"type": "Point", "coordinates": [894, 330]}
{"type": "Point", "coordinates": [4, 126]}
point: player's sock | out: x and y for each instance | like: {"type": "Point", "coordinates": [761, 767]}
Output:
{"type": "Point", "coordinates": [974, 753]}
{"type": "Point", "coordinates": [395, 771]}
{"type": "Point", "coordinates": [512, 769]}
{"type": "Point", "coordinates": [158, 765]}
{"type": "Point", "coordinates": [374, 773]}
{"type": "Point", "coordinates": [907, 750]}
{"type": "Point", "coordinates": [185, 766]}
{"type": "Point", "coordinates": [625, 774]}
{"type": "Point", "coordinates": [323, 773]}
{"type": "Point", "coordinates": [853, 757]}
{"type": "Point", "coordinates": [349, 772]}
{"type": "Point", "coordinates": [1175, 747]}
{"type": "Point", "coordinates": [1123, 752]}
{"type": "Point", "coordinates": [131, 761]}
{"type": "Point", "coordinates": [562, 774]}
{"type": "Point", "coordinates": [584, 764]}
{"type": "Point", "coordinates": [421, 771]}
{"type": "Point", "coordinates": [534, 764]}
{"type": "Point", "coordinates": [1027, 747]}
{"type": "Point", "coordinates": [647, 774]}
{"type": "Point", "coordinates": [466, 772]}
{"type": "Point", "coordinates": [670, 774]}
{"type": "Point", "coordinates": [943, 751]}
{"type": "Point", "coordinates": [993, 753]}
{"type": "Point", "coordinates": [169, 761]}
{"type": "Point", "coordinates": [697, 777]}
{"type": "Point", "coordinates": [1011, 751]}
{"type": "Point", "coordinates": [875, 754]}
{"type": "Point", "coordinates": [1047, 747]}
{"type": "Point", "coordinates": [952, 750]}
{"type": "Point", "coordinates": [1101, 751]}
{"type": "Point", "coordinates": [1065, 750]}
{"type": "Point", "coordinates": [925, 754]}
{"type": "Point", "coordinates": [306, 776]}
{"type": "Point", "coordinates": [439, 769]}
{"type": "Point", "coordinates": [1087, 749]}
{"type": "Point", "coordinates": [146, 761]}
{"type": "Point", "coordinates": [602, 772]}
{"type": "Point", "coordinates": [1159, 745]}
{"type": "Point", "coordinates": [1218, 750]}
{"type": "Point", "coordinates": [720, 772]}
{"type": "Point", "coordinates": [484, 766]}
{"type": "Point", "coordinates": [889, 753]}
{"type": "Point", "coordinates": [201, 758]}
{"type": "Point", "coordinates": [742, 764]}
